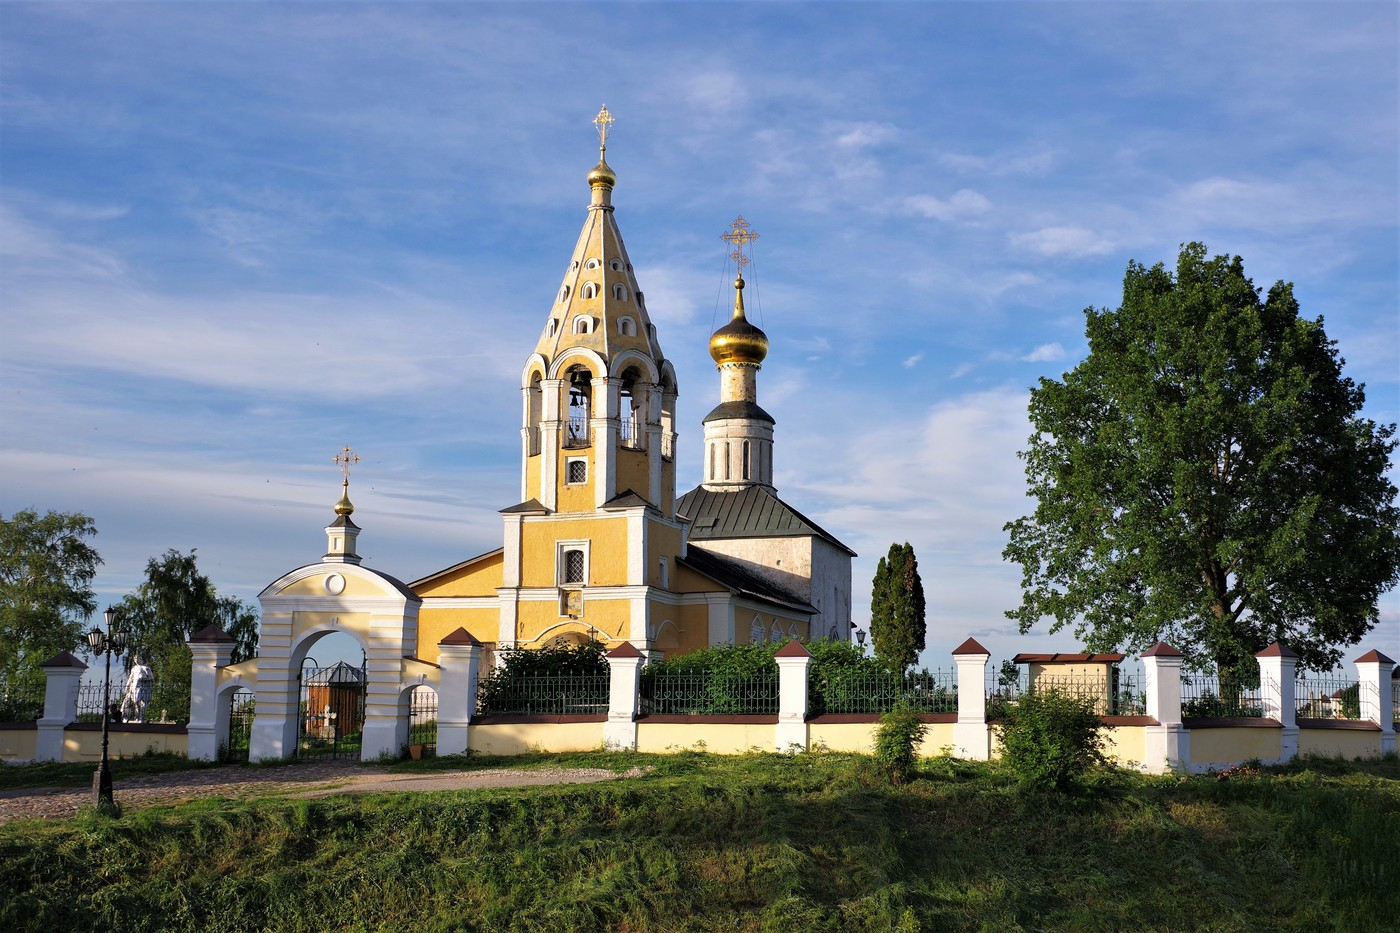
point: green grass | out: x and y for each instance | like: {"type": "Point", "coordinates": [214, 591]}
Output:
{"type": "Point", "coordinates": [759, 842]}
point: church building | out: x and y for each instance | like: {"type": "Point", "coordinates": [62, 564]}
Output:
{"type": "Point", "coordinates": [600, 547]}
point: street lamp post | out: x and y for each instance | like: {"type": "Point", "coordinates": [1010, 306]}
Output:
{"type": "Point", "coordinates": [107, 644]}
{"type": "Point", "coordinates": [860, 639]}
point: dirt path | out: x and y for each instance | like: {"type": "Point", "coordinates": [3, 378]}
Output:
{"type": "Point", "coordinates": [315, 779]}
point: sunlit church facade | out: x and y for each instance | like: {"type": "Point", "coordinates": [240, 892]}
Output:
{"type": "Point", "coordinates": [601, 546]}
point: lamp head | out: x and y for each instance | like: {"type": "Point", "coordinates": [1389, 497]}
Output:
{"type": "Point", "coordinates": [95, 639]}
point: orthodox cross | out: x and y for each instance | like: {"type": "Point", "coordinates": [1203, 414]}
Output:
{"type": "Point", "coordinates": [739, 236]}
{"type": "Point", "coordinates": [346, 459]}
{"type": "Point", "coordinates": [604, 122]}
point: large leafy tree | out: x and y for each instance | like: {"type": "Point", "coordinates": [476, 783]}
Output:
{"type": "Point", "coordinates": [46, 571]}
{"type": "Point", "coordinates": [171, 604]}
{"type": "Point", "coordinates": [1205, 476]}
{"type": "Point", "coordinates": [897, 623]}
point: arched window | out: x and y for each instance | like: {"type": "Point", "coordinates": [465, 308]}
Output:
{"type": "Point", "coordinates": [726, 460]}
{"type": "Point", "coordinates": [591, 264]}
{"type": "Point", "coordinates": [583, 324]}
{"type": "Point", "coordinates": [551, 327]}
{"type": "Point", "coordinates": [745, 455]}
{"type": "Point", "coordinates": [757, 631]}
{"type": "Point", "coordinates": [777, 633]}
{"type": "Point", "coordinates": [573, 566]}
{"type": "Point", "coordinates": [712, 461]}
{"type": "Point", "coordinates": [626, 327]}
{"type": "Point", "coordinates": [632, 414]}
{"type": "Point", "coordinates": [573, 266]}
{"type": "Point", "coordinates": [563, 293]}
{"type": "Point", "coordinates": [590, 290]}
{"type": "Point", "coordinates": [620, 292]}
{"type": "Point", "coordinates": [580, 406]}
{"type": "Point", "coordinates": [615, 265]}
{"type": "Point", "coordinates": [534, 398]}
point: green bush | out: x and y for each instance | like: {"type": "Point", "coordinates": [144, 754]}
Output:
{"type": "Point", "coordinates": [899, 735]}
{"type": "Point", "coordinates": [1051, 740]}
{"type": "Point", "coordinates": [555, 680]}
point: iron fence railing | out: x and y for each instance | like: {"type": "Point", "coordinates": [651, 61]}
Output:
{"type": "Point", "coordinates": [1113, 692]}
{"type": "Point", "coordinates": [710, 693]}
{"type": "Point", "coordinates": [878, 691]}
{"type": "Point", "coordinates": [1327, 697]}
{"type": "Point", "coordinates": [1208, 696]}
{"type": "Point", "coordinates": [1395, 701]}
{"type": "Point", "coordinates": [545, 693]}
{"type": "Point", "coordinates": [21, 702]}
{"type": "Point", "coordinates": [169, 702]}
{"type": "Point", "coordinates": [422, 716]}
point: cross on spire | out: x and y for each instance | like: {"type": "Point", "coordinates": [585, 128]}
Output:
{"type": "Point", "coordinates": [740, 235]}
{"type": "Point", "coordinates": [345, 460]}
{"type": "Point", "coordinates": [604, 122]}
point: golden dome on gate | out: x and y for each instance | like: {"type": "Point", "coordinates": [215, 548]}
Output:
{"type": "Point", "coordinates": [739, 341]}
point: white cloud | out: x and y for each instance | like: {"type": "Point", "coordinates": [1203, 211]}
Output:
{"type": "Point", "coordinates": [963, 205]}
{"type": "Point", "coordinates": [1045, 353]}
{"type": "Point", "coordinates": [912, 361]}
{"type": "Point", "coordinates": [1062, 241]}
{"type": "Point", "coordinates": [864, 135]}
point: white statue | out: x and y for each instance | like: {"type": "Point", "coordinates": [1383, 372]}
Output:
{"type": "Point", "coordinates": [138, 691]}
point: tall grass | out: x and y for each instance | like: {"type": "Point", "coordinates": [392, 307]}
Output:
{"type": "Point", "coordinates": [761, 842]}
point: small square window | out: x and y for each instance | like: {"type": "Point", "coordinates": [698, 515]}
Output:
{"type": "Point", "coordinates": [575, 471]}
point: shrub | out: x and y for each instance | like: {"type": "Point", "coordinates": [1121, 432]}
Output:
{"type": "Point", "coordinates": [899, 734]}
{"type": "Point", "coordinates": [1051, 740]}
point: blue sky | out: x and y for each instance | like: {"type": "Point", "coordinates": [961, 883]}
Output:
{"type": "Point", "coordinates": [236, 237]}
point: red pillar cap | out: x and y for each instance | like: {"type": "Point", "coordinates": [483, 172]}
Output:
{"type": "Point", "coordinates": [1161, 650]}
{"type": "Point", "coordinates": [971, 646]}
{"type": "Point", "coordinates": [792, 649]}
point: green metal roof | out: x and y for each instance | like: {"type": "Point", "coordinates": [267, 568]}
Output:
{"type": "Point", "coordinates": [747, 512]}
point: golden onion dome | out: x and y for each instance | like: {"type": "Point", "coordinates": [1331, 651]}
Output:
{"type": "Point", "coordinates": [739, 341]}
{"type": "Point", "coordinates": [602, 175]}
{"type": "Point", "coordinates": [344, 507]}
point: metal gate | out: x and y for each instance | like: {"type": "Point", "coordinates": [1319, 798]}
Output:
{"type": "Point", "coordinates": [240, 725]}
{"type": "Point", "coordinates": [331, 714]}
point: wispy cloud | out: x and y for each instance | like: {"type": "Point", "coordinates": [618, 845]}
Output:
{"type": "Point", "coordinates": [1045, 353]}
{"type": "Point", "coordinates": [1062, 241]}
{"type": "Point", "coordinates": [963, 204]}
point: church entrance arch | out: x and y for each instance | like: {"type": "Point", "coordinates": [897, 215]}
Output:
{"type": "Point", "coordinates": [331, 704]}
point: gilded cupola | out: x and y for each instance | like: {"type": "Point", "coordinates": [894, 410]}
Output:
{"type": "Point", "coordinates": [739, 341]}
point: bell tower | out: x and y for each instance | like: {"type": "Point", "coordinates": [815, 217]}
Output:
{"type": "Point", "coordinates": [599, 395]}
{"type": "Point", "coordinates": [738, 433]}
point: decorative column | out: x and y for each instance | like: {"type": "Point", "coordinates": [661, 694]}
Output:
{"type": "Point", "coordinates": [62, 674]}
{"type": "Point", "coordinates": [1375, 673]}
{"type": "Point", "coordinates": [1167, 745]}
{"type": "Point", "coordinates": [793, 663]}
{"type": "Point", "coordinates": [624, 688]}
{"type": "Point", "coordinates": [459, 660]}
{"type": "Point", "coordinates": [211, 648]}
{"type": "Point", "coordinates": [971, 734]}
{"type": "Point", "coordinates": [1278, 666]}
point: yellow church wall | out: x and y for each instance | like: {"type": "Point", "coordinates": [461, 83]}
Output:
{"type": "Point", "coordinates": [315, 585]}
{"type": "Point", "coordinates": [576, 497]}
{"type": "Point", "coordinates": [517, 738]}
{"type": "Point", "coordinates": [633, 472]}
{"type": "Point", "coordinates": [533, 465]}
{"type": "Point", "coordinates": [479, 578]}
{"type": "Point", "coordinates": [1344, 743]}
{"type": "Point", "coordinates": [18, 744]}
{"type": "Point", "coordinates": [607, 552]}
{"type": "Point", "coordinates": [86, 745]}
{"type": "Point", "coordinates": [1125, 744]}
{"type": "Point", "coordinates": [721, 738]}
{"type": "Point", "coordinates": [436, 624]}
{"type": "Point", "coordinates": [611, 617]}
{"type": "Point", "coordinates": [859, 737]}
{"type": "Point", "coordinates": [1235, 744]}
{"type": "Point", "coordinates": [685, 580]}
{"type": "Point", "coordinates": [662, 541]}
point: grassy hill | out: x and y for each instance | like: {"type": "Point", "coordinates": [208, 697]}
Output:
{"type": "Point", "coordinates": [761, 842]}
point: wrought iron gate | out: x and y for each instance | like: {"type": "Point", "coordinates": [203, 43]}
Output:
{"type": "Point", "coordinates": [240, 726]}
{"type": "Point", "coordinates": [331, 714]}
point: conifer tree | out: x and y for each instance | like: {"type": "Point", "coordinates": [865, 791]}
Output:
{"type": "Point", "coordinates": [897, 608]}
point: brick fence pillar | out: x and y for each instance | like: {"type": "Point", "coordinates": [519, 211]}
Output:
{"type": "Point", "coordinates": [1278, 667]}
{"type": "Point", "coordinates": [1166, 745]}
{"type": "Point", "coordinates": [210, 649]}
{"type": "Point", "coordinates": [624, 697]}
{"type": "Point", "coordinates": [793, 664]}
{"type": "Point", "coordinates": [972, 738]}
{"type": "Point", "coordinates": [1375, 673]}
{"type": "Point", "coordinates": [62, 674]}
{"type": "Point", "coordinates": [459, 664]}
